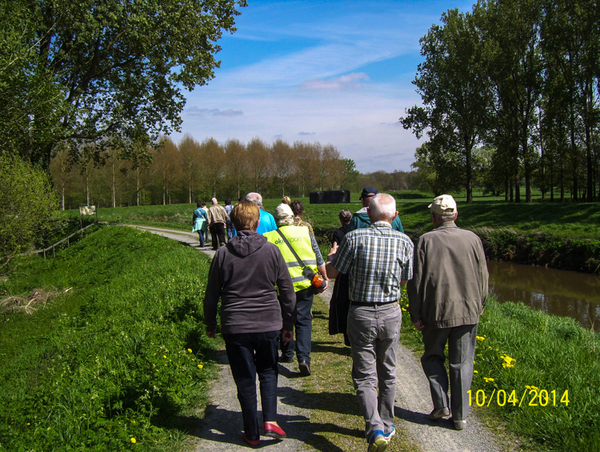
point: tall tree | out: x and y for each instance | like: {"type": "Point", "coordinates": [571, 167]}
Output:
{"type": "Point", "coordinates": [258, 163]}
{"type": "Point", "coordinates": [236, 167]}
{"type": "Point", "coordinates": [190, 154]}
{"type": "Point", "coordinates": [282, 161]}
{"type": "Point", "coordinates": [109, 70]}
{"type": "Point", "coordinates": [454, 89]}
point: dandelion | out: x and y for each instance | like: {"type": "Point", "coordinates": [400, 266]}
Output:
{"type": "Point", "coordinates": [479, 354]}
{"type": "Point", "coordinates": [28, 423]}
{"type": "Point", "coordinates": [475, 372]}
{"type": "Point", "coordinates": [200, 366]}
{"type": "Point", "coordinates": [480, 338]}
{"type": "Point", "coordinates": [404, 309]}
{"type": "Point", "coordinates": [508, 361]}
{"type": "Point", "coordinates": [133, 421]}
{"type": "Point", "coordinates": [133, 440]}
{"type": "Point", "coordinates": [189, 350]}
{"type": "Point", "coordinates": [488, 380]}
{"type": "Point", "coordinates": [165, 356]}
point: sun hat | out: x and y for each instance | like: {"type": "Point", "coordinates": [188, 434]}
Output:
{"type": "Point", "coordinates": [443, 205]}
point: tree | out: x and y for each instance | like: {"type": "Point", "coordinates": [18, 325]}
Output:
{"type": "Point", "coordinates": [455, 91]}
{"type": "Point", "coordinates": [237, 164]}
{"type": "Point", "coordinates": [189, 152]}
{"type": "Point", "coordinates": [27, 206]}
{"type": "Point", "coordinates": [112, 70]}
{"type": "Point", "coordinates": [282, 161]}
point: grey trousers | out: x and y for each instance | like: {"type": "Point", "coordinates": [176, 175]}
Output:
{"type": "Point", "coordinates": [374, 333]}
{"type": "Point", "coordinates": [461, 351]}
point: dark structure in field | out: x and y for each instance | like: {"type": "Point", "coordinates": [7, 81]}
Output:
{"type": "Point", "coordinates": [330, 197]}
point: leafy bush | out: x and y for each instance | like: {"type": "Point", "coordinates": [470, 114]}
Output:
{"type": "Point", "coordinates": [113, 364]}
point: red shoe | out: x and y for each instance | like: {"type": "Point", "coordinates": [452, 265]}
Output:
{"type": "Point", "coordinates": [274, 431]}
{"type": "Point", "coordinates": [252, 442]}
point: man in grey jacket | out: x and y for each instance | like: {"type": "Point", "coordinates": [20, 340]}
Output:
{"type": "Point", "coordinates": [446, 298]}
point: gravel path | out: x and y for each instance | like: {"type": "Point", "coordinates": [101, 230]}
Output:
{"type": "Point", "coordinates": [221, 427]}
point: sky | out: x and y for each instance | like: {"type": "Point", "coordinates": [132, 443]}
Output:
{"type": "Point", "coordinates": [332, 72]}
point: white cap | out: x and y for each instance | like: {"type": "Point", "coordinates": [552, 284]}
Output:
{"type": "Point", "coordinates": [443, 205]}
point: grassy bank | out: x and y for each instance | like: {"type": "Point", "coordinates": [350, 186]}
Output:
{"type": "Point", "coordinates": [536, 376]}
{"type": "Point", "coordinates": [115, 360]}
{"type": "Point", "coordinates": [558, 235]}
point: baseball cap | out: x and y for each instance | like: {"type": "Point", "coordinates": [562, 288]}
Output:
{"type": "Point", "coordinates": [443, 205]}
{"type": "Point", "coordinates": [368, 191]}
{"type": "Point", "coordinates": [284, 212]}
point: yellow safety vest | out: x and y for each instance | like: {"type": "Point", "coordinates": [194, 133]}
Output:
{"type": "Point", "coordinates": [299, 238]}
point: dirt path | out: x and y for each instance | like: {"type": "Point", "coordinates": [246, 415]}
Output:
{"type": "Point", "coordinates": [221, 427]}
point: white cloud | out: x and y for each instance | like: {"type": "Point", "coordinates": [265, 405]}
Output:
{"type": "Point", "coordinates": [345, 82]}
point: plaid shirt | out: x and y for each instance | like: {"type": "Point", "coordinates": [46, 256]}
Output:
{"type": "Point", "coordinates": [376, 259]}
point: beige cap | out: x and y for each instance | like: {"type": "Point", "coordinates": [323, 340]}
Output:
{"type": "Point", "coordinates": [444, 205]}
{"type": "Point", "coordinates": [284, 212]}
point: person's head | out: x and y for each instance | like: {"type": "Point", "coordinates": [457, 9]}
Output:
{"type": "Point", "coordinates": [245, 216]}
{"type": "Point", "coordinates": [345, 216]}
{"type": "Point", "coordinates": [214, 201]}
{"type": "Point", "coordinates": [286, 200]}
{"type": "Point", "coordinates": [284, 214]}
{"type": "Point", "coordinates": [367, 194]}
{"type": "Point", "coordinates": [198, 204]}
{"type": "Point", "coordinates": [297, 208]}
{"type": "Point", "coordinates": [228, 202]}
{"type": "Point", "coordinates": [382, 208]}
{"type": "Point", "coordinates": [443, 208]}
{"type": "Point", "coordinates": [202, 204]}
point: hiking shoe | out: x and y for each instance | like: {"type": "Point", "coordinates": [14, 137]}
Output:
{"type": "Point", "coordinates": [377, 442]}
{"type": "Point", "coordinates": [439, 413]}
{"type": "Point", "coordinates": [388, 435]}
{"type": "Point", "coordinates": [304, 368]}
{"type": "Point", "coordinates": [460, 424]}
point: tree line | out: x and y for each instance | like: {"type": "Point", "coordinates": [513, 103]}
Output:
{"type": "Point", "coordinates": [510, 97]}
{"type": "Point", "coordinates": [190, 171]}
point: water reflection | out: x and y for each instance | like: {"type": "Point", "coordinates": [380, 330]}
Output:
{"type": "Point", "coordinates": [552, 291]}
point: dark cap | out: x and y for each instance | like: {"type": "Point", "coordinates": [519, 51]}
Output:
{"type": "Point", "coordinates": [368, 191]}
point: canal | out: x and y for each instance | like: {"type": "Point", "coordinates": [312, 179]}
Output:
{"type": "Point", "coordinates": [558, 292]}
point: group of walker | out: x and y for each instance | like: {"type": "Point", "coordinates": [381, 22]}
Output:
{"type": "Point", "coordinates": [266, 277]}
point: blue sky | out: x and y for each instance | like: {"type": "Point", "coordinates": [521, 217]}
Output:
{"type": "Point", "coordinates": [333, 72]}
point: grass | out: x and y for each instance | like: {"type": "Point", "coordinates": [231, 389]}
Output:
{"type": "Point", "coordinates": [527, 365]}
{"type": "Point", "coordinates": [118, 358]}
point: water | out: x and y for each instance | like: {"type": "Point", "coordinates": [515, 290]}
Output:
{"type": "Point", "coordinates": [558, 292]}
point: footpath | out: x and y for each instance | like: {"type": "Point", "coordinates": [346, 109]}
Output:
{"type": "Point", "coordinates": [222, 424]}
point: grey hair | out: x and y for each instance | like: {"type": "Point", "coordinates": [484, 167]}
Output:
{"type": "Point", "coordinates": [439, 217]}
{"type": "Point", "coordinates": [383, 205]}
{"type": "Point", "coordinates": [254, 197]}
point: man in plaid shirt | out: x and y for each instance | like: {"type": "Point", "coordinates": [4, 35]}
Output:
{"type": "Point", "coordinates": [378, 261]}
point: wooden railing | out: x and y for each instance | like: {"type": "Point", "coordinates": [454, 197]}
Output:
{"type": "Point", "coordinates": [66, 239]}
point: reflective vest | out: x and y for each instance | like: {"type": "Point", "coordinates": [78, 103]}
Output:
{"type": "Point", "coordinates": [299, 238]}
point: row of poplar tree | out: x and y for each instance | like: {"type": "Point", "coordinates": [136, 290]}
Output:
{"type": "Point", "coordinates": [510, 96]}
{"type": "Point", "coordinates": [192, 171]}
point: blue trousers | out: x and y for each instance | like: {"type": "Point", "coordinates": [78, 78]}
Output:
{"type": "Point", "coordinates": [303, 327]}
{"type": "Point", "coordinates": [250, 354]}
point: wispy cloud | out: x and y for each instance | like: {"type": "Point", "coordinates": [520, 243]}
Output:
{"type": "Point", "coordinates": [345, 82]}
{"type": "Point", "coordinates": [195, 111]}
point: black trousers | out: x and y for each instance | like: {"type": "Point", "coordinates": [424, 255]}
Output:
{"type": "Point", "coordinates": [217, 232]}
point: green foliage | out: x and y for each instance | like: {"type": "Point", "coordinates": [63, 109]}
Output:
{"type": "Point", "coordinates": [103, 71]}
{"type": "Point", "coordinates": [27, 206]}
{"type": "Point", "coordinates": [120, 356]}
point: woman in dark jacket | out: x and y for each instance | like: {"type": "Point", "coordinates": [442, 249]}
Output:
{"type": "Point", "coordinates": [246, 274]}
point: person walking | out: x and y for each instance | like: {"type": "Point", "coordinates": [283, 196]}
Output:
{"type": "Point", "coordinates": [267, 222]}
{"type": "Point", "coordinates": [303, 258]}
{"type": "Point", "coordinates": [378, 260]}
{"type": "Point", "coordinates": [446, 298]}
{"type": "Point", "coordinates": [360, 219]}
{"type": "Point", "coordinates": [247, 275]}
{"type": "Point", "coordinates": [199, 219]}
{"type": "Point", "coordinates": [230, 229]}
{"type": "Point", "coordinates": [217, 219]}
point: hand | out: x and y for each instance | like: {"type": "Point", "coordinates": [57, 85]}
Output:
{"type": "Point", "coordinates": [211, 333]}
{"type": "Point", "coordinates": [419, 325]}
{"type": "Point", "coordinates": [324, 287]}
{"type": "Point", "coordinates": [287, 336]}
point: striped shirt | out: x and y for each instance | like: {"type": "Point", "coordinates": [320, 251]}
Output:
{"type": "Point", "coordinates": [376, 258]}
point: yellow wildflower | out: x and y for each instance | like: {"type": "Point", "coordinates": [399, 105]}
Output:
{"type": "Point", "coordinates": [480, 338]}
{"type": "Point", "coordinates": [200, 366]}
{"type": "Point", "coordinates": [189, 350]}
{"type": "Point", "coordinates": [488, 380]}
{"type": "Point", "coordinates": [475, 372]}
{"type": "Point", "coordinates": [165, 356]}
{"type": "Point", "coordinates": [133, 440]}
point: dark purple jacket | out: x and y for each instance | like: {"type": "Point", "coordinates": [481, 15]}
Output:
{"type": "Point", "coordinates": [246, 274]}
